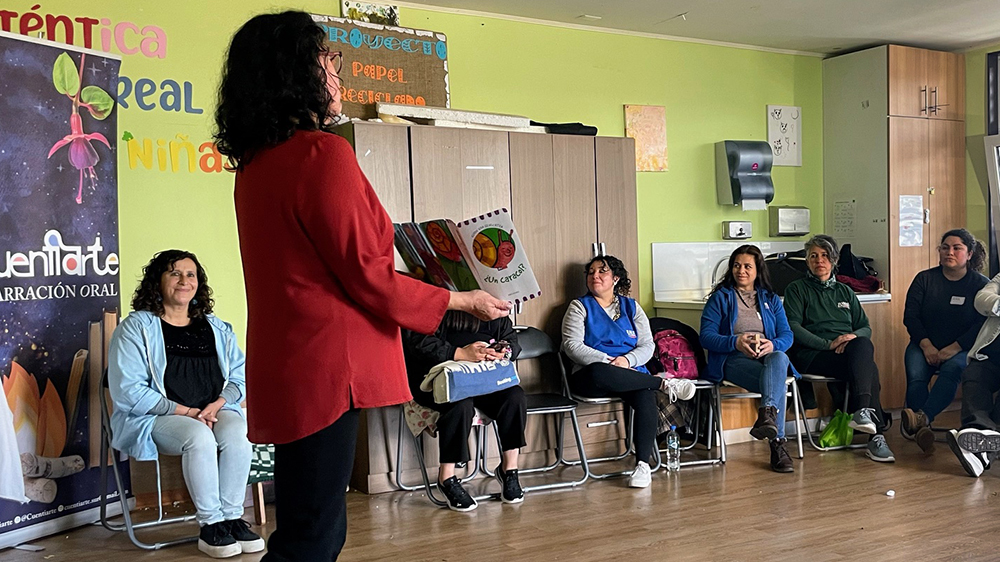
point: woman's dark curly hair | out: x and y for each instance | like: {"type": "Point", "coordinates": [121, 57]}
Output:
{"type": "Point", "coordinates": [273, 84]}
{"type": "Point", "coordinates": [617, 269]}
{"type": "Point", "coordinates": [977, 252]}
{"type": "Point", "coordinates": [763, 279]}
{"type": "Point", "coordinates": [148, 296]}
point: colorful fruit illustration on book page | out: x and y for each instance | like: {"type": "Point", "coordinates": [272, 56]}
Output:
{"type": "Point", "coordinates": [494, 248]}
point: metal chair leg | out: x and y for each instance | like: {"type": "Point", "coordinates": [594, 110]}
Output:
{"type": "Point", "coordinates": [799, 423]}
{"type": "Point", "coordinates": [718, 418]}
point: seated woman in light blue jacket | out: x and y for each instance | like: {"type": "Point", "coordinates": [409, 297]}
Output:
{"type": "Point", "coordinates": [746, 333]}
{"type": "Point", "coordinates": [176, 378]}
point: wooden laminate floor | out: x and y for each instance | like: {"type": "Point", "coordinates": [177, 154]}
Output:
{"type": "Point", "coordinates": [834, 507]}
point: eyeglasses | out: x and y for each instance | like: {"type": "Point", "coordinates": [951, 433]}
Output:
{"type": "Point", "coordinates": [336, 58]}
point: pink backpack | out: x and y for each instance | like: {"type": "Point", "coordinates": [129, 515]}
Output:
{"type": "Point", "coordinates": [676, 355]}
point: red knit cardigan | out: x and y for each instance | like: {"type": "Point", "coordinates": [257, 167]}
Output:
{"type": "Point", "coordinates": [324, 303]}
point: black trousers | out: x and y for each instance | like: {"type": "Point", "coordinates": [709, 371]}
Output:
{"type": "Point", "coordinates": [856, 365]}
{"type": "Point", "coordinates": [980, 381]}
{"type": "Point", "coordinates": [637, 390]}
{"type": "Point", "coordinates": [508, 407]}
{"type": "Point", "coordinates": [310, 480]}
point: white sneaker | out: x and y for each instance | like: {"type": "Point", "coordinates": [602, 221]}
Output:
{"type": "Point", "coordinates": [641, 476]}
{"type": "Point", "coordinates": [677, 389]}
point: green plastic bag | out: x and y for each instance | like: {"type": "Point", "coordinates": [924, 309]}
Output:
{"type": "Point", "coordinates": [838, 432]}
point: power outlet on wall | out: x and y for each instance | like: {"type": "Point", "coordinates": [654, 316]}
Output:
{"type": "Point", "coordinates": [736, 230]}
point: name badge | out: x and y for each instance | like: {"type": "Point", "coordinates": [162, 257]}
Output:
{"type": "Point", "coordinates": [958, 301]}
{"type": "Point", "coordinates": [630, 333]}
{"type": "Point", "coordinates": [846, 305]}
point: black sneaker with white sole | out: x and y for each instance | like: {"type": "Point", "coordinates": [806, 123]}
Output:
{"type": "Point", "coordinates": [216, 541]}
{"type": "Point", "coordinates": [971, 462]}
{"type": "Point", "coordinates": [248, 540]}
{"type": "Point", "coordinates": [510, 486]}
{"type": "Point", "coordinates": [979, 440]}
{"type": "Point", "coordinates": [458, 498]}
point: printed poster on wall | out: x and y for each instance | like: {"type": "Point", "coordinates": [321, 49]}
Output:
{"type": "Point", "coordinates": [387, 64]}
{"type": "Point", "coordinates": [58, 280]}
{"type": "Point", "coordinates": [784, 134]}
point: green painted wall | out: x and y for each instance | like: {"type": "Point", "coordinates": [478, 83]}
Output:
{"type": "Point", "coordinates": [710, 93]}
{"type": "Point", "coordinates": [975, 128]}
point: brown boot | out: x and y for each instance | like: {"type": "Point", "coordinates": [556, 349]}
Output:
{"type": "Point", "coordinates": [766, 426]}
{"type": "Point", "coordinates": [925, 439]}
{"type": "Point", "coordinates": [910, 422]}
{"type": "Point", "coordinates": [780, 460]}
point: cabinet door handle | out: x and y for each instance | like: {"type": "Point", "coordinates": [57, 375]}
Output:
{"type": "Point", "coordinates": [604, 249]}
{"type": "Point", "coordinates": [927, 216]}
{"type": "Point", "coordinates": [935, 107]}
{"type": "Point", "coordinates": [593, 250]}
{"type": "Point", "coordinates": [924, 92]}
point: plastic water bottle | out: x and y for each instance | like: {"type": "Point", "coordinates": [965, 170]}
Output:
{"type": "Point", "coordinates": [673, 450]}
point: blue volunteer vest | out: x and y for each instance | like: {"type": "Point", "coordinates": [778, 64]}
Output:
{"type": "Point", "coordinates": [603, 334]}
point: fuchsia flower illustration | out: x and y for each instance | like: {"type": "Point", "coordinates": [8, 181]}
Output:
{"type": "Point", "coordinates": [99, 103]}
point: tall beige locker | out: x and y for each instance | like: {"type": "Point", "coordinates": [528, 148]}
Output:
{"type": "Point", "coordinates": [893, 134]}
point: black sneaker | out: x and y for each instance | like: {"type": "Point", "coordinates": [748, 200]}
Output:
{"type": "Point", "coordinates": [973, 463]}
{"type": "Point", "coordinates": [510, 487]}
{"type": "Point", "coordinates": [248, 540]}
{"type": "Point", "coordinates": [458, 498]}
{"type": "Point", "coordinates": [766, 426]}
{"type": "Point", "coordinates": [216, 541]}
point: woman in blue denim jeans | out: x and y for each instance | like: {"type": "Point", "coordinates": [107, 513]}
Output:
{"type": "Point", "coordinates": [942, 324]}
{"type": "Point", "coordinates": [746, 333]}
{"type": "Point", "coordinates": [176, 378]}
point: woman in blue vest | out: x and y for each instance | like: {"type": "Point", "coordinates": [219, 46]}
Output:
{"type": "Point", "coordinates": [746, 333]}
{"type": "Point", "coordinates": [606, 335]}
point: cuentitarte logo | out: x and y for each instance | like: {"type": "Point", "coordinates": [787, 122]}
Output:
{"type": "Point", "coordinates": [57, 259]}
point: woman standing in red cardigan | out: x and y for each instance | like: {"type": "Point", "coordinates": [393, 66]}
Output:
{"type": "Point", "coordinates": [324, 303]}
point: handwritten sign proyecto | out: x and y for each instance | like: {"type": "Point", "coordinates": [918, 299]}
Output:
{"type": "Point", "coordinates": [387, 64]}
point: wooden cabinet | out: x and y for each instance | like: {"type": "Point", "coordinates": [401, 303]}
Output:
{"type": "Point", "coordinates": [378, 147]}
{"type": "Point", "coordinates": [617, 229]}
{"type": "Point", "coordinates": [566, 194]}
{"type": "Point", "coordinates": [458, 173]}
{"type": "Point", "coordinates": [946, 85]}
{"type": "Point", "coordinates": [945, 181]}
{"type": "Point", "coordinates": [554, 210]}
{"type": "Point", "coordinates": [907, 81]}
{"type": "Point", "coordinates": [923, 83]}
{"type": "Point", "coordinates": [892, 134]}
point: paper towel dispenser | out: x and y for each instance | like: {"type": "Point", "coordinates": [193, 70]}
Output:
{"type": "Point", "coordinates": [743, 173]}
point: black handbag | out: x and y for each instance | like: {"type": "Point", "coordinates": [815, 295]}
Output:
{"type": "Point", "coordinates": [785, 267]}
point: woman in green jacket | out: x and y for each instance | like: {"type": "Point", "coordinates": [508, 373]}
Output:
{"type": "Point", "coordinates": [833, 339]}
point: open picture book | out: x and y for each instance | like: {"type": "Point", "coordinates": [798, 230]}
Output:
{"type": "Point", "coordinates": [483, 252]}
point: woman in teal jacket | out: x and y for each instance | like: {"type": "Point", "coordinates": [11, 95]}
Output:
{"type": "Point", "coordinates": [176, 378]}
{"type": "Point", "coordinates": [746, 334]}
